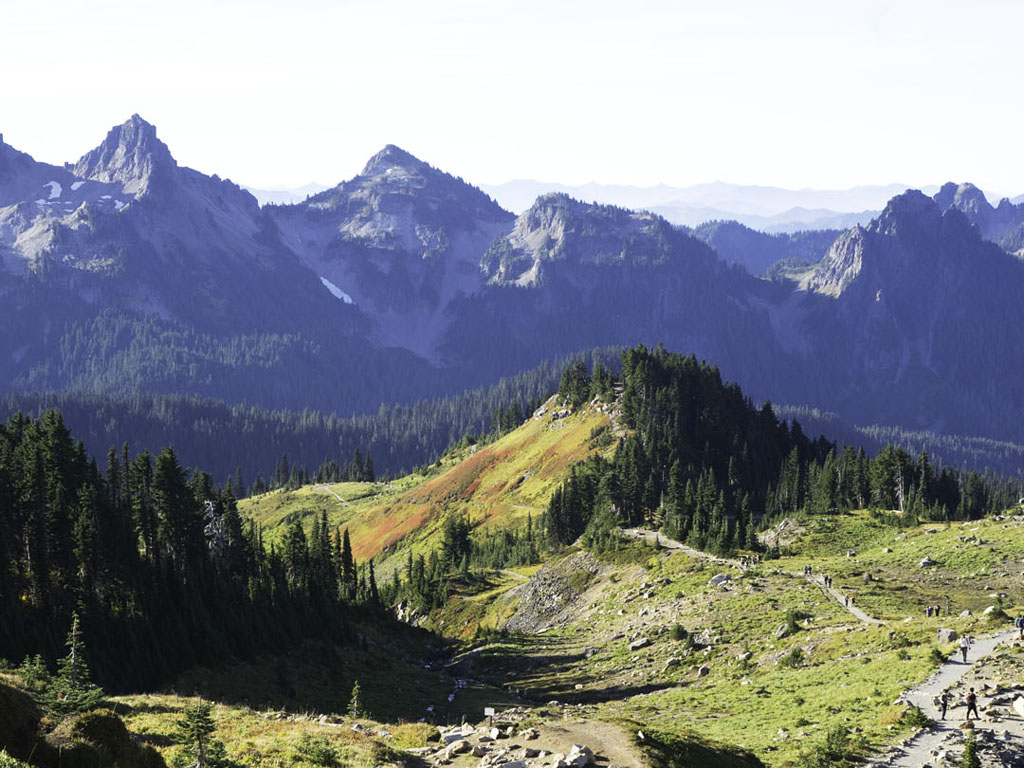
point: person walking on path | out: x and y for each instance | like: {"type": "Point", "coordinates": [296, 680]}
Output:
{"type": "Point", "coordinates": [972, 704]}
{"type": "Point", "coordinates": [964, 645]}
{"type": "Point", "coordinates": [943, 703]}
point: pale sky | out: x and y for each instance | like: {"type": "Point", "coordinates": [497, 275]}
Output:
{"type": "Point", "coordinates": [277, 94]}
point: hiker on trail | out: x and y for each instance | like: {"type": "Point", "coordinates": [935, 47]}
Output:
{"type": "Point", "coordinates": [972, 704]}
{"type": "Point", "coordinates": [928, 611]}
{"type": "Point", "coordinates": [964, 645]}
{"type": "Point", "coordinates": [1019, 623]}
{"type": "Point", "coordinates": [943, 703]}
{"type": "Point", "coordinates": [936, 611]}
{"type": "Point", "coordinates": [847, 601]}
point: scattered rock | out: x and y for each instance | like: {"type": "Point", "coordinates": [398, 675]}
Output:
{"type": "Point", "coordinates": [456, 748]}
{"type": "Point", "coordinates": [636, 645]}
{"type": "Point", "coordinates": [926, 563]}
{"type": "Point", "coordinates": [720, 580]}
{"type": "Point", "coordinates": [946, 635]}
{"type": "Point", "coordinates": [579, 756]}
{"type": "Point", "coordinates": [703, 671]}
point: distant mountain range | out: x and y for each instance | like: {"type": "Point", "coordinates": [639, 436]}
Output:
{"type": "Point", "coordinates": [126, 272]}
{"type": "Point", "coordinates": [769, 209]}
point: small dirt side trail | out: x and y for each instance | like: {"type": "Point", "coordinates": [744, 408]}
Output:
{"type": "Point", "coordinates": [922, 748]}
{"type": "Point", "coordinates": [327, 489]}
{"type": "Point", "coordinates": [651, 537]}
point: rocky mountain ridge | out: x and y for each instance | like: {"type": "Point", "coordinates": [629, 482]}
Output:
{"type": "Point", "coordinates": [430, 284]}
{"type": "Point", "coordinates": [1002, 224]}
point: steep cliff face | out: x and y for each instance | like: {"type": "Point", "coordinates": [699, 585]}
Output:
{"type": "Point", "coordinates": [559, 233]}
{"type": "Point", "coordinates": [919, 310]}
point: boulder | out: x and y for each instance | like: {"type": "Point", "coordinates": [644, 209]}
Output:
{"type": "Point", "coordinates": [781, 632]}
{"type": "Point", "coordinates": [946, 636]}
{"type": "Point", "coordinates": [639, 643]}
{"type": "Point", "coordinates": [480, 750]}
{"type": "Point", "coordinates": [926, 563]}
{"type": "Point", "coordinates": [1018, 705]}
{"type": "Point", "coordinates": [529, 734]}
{"type": "Point", "coordinates": [745, 656]}
{"type": "Point", "coordinates": [675, 661]}
{"type": "Point", "coordinates": [988, 610]}
{"type": "Point", "coordinates": [456, 748]}
{"type": "Point", "coordinates": [512, 764]}
{"type": "Point", "coordinates": [720, 580]}
{"type": "Point", "coordinates": [580, 756]}
{"type": "Point", "coordinates": [703, 671]}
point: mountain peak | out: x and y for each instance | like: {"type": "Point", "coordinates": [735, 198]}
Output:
{"type": "Point", "coordinates": [911, 211]}
{"type": "Point", "coordinates": [965, 197]}
{"type": "Point", "coordinates": [391, 157]}
{"type": "Point", "coordinates": [131, 153]}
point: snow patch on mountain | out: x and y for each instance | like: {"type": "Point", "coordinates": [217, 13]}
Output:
{"type": "Point", "coordinates": [336, 291]}
{"type": "Point", "coordinates": [77, 186]}
{"type": "Point", "coordinates": [55, 189]}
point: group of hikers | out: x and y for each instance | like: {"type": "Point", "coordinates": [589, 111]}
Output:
{"type": "Point", "coordinates": [748, 560]}
{"type": "Point", "coordinates": [970, 699]}
{"type": "Point", "coordinates": [931, 610]}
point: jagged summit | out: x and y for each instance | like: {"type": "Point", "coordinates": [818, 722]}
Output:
{"type": "Point", "coordinates": [911, 238]}
{"type": "Point", "coordinates": [131, 154]}
{"type": "Point", "coordinates": [965, 197]}
{"type": "Point", "coordinates": [392, 157]}
{"type": "Point", "coordinates": [913, 211]}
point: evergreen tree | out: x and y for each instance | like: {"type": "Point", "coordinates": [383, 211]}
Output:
{"type": "Point", "coordinates": [71, 689]}
{"type": "Point", "coordinates": [355, 702]}
{"type": "Point", "coordinates": [200, 749]}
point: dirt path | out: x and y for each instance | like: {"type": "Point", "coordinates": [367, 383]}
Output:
{"type": "Point", "coordinates": [609, 741]}
{"type": "Point", "coordinates": [327, 489]}
{"type": "Point", "coordinates": [919, 750]}
{"type": "Point", "coordinates": [839, 597]}
{"type": "Point", "coordinates": [653, 536]}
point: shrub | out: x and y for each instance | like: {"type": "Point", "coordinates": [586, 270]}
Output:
{"type": "Point", "coordinates": [679, 633]}
{"type": "Point", "coordinates": [794, 658]}
{"type": "Point", "coordinates": [793, 619]}
{"type": "Point", "coordinates": [835, 751]}
{"type": "Point", "coordinates": [937, 656]}
{"type": "Point", "coordinates": [6, 761]}
{"type": "Point", "coordinates": [317, 750]}
{"type": "Point", "coordinates": [970, 759]}
{"type": "Point", "coordinates": [915, 718]}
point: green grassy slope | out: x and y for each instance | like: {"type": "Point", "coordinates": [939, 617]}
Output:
{"type": "Point", "coordinates": [494, 485]}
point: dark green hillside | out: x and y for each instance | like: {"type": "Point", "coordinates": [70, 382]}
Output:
{"type": "Point", "coordinates": [223, 438]}
{"type": "Point", "coordinates": [757, 251]}
{"type": "Point", "coordinates": [158, 563]}
{"type": "Point", "coordinates": [709, 468]}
